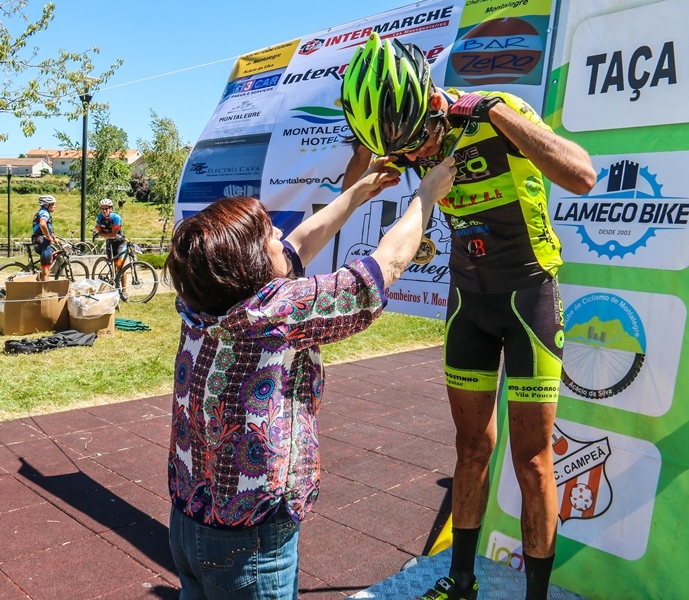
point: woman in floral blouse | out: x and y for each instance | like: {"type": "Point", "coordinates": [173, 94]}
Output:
{"type": "Point", "coordinates": [244, 465]}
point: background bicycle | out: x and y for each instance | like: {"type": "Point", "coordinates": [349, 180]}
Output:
{"type": "Point", "coordinates": [63, 265]}
{"type": "Point", "coordinates": [80, 248]}
{"type": "Point", "coordinates": [140, 277]}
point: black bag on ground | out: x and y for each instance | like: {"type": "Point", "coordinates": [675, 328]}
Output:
{"type": "Point", "coordinates": [64, 339]}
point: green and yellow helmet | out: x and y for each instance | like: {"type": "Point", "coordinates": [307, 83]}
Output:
{"type": "Point", "coordinates": [385, 93]}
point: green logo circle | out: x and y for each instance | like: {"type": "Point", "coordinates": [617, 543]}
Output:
{"type": "Point", "coordinates": [560, 339]}
{"type": "Point", "coordinates": [533, 186]}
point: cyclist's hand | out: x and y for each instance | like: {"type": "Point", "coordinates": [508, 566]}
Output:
{"type": "Point", "coordinates": [471, 106]}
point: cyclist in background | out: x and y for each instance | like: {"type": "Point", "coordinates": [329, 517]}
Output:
{"type": "Point", "coordinates": [42, 234]}
{"type": "Point", "coordinates": [109, 227]}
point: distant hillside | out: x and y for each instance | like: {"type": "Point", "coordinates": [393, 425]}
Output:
{"type": "Point", "coordinates": [141, 220]}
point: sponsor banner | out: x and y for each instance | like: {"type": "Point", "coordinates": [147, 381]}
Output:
{"type": "Point", "coordinates": [506, 550]}
{"type": "Point", "coordinates": [502, 46]}
{"type": "Point", "coordinates": [268, 59]}
{"type": "Point", "coordinates": [409, 24]}
{"type": "Point", "coordinates": [500, 43]}
{"type": "Point", "coordinates": [619, 67]}
{"type": "Point", "coordinates": [628, 68]}
{"type": "Point", "coordinates": [606, 485]}
{"type": "Point", "coordinates": [637, 214]}
{"type": "Point", "coordinates": [478, 11]}
{"type": "Point", "coordinates": [223, 168]}
{"type": "Point", "coordinates": [240, 115]}
{"type": "Point", "coordinates": [622, 348]}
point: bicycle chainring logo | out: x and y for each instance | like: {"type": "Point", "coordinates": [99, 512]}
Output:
{"type": "Point", "coordinates": [605, 346]}
{"type": "Point", "coordinates": [625, 209]}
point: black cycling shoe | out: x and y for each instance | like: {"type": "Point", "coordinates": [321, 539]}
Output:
{"type": "Point", "coordinates": [446, 589]}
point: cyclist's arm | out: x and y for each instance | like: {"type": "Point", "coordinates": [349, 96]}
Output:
{"type": "Point", "coordinates": [108, 236]}
{"type": "Point", "coordinates": [356, 166]}
{"type": "Point", "coordinates": [562, 161]}
{"type": "Point", "coordinates": [112, 234]}
{"type": "Point", "coordinates": [43, 224]}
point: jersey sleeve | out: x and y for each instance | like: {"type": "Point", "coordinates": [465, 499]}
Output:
{"type": "Point", "coordinates": [522, 107]}
{"type": "Point", "coordinates": [321, 309]}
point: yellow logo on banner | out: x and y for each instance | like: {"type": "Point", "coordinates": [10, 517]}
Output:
{"type": "Point", "coordinates": [476, 11]}
{"type": "Point", "coordinates": [268, 59]}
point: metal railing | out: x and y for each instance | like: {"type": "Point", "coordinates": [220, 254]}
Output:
{"type": "Point", "coordinates": [17, 250]}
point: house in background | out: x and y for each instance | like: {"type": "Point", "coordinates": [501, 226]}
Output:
{"type": "Point", "coordinates": [61, 160]}
{"type": "Point", "coordinates": [33, 167]}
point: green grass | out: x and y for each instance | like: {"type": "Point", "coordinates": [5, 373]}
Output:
{"type": "Point", "coordinates": [140, 364]}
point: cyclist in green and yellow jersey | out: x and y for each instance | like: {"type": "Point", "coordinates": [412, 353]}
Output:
{"type": "Point", "coordinates": [503, 296]}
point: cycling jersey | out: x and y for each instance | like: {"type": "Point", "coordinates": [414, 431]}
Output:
{"type": "Point", "coordinates": [106, 224]}
{"type": "Point", "coordinates": [42, 213]}
{"type": "Point", "coordinates": [502, 239]}
{"type": "Point", "coordinates": [116, 246]}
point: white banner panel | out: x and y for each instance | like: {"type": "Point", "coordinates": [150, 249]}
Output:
{"type": "Point", "coordinates": [278, 130]}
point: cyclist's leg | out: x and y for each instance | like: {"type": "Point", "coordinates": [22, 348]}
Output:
{"type": "Point", "coordinates": [472, 360]}
{"type": "Point", "coordinates": [533, 363]}
{"type": "Point", "coordinates": [45, 251]}
{"type": "Point", "coordinates": [119, 252]}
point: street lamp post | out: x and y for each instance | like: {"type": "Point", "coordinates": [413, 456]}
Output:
{"type": "Point", "coordinates": [9, 203]}
{"type": "Point", "coordinates": [85, 101]}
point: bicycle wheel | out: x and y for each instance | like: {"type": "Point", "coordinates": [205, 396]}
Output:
{"type": "Point", "coordinates": [10, 270]}
{"type": "Point", "coordinates": [141, 279]}
{"type": "Point", "coordinates": [74, 270]}
{"type": "Point", "coordinates": [102, 269]}
{"type": "Point", "coordinates": [82, 248]}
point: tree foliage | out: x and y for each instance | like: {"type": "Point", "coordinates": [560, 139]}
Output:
{"type": "Point", "coordinates": [107, 173]}
{"type": "Point", "coordinates": [38, 86]}
{"type": "Point", "coordinates": [164, 158]}
{"type": "Point", "coordinates": [140, 187]}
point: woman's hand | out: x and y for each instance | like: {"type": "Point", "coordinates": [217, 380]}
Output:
{"type": "Point", "coordinates": [438, 181]}
{"type": "Point", "coordinates": [381, 174]}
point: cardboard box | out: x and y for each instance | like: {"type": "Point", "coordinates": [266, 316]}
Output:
{"type": "Point", "coordinates": [104, 325]}
{"type": "Point", "coordinates": [32, 306]}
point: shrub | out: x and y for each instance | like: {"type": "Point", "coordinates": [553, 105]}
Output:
{"type": "Point", "coordinates": [33, 186]}
{"type": "Point", "coordinates": [155, 260]}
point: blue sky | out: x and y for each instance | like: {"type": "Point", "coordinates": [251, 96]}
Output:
{"type": "Point", "coordinates": [155, 37]}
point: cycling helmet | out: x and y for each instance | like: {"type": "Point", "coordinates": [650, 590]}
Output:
{"type": "Point", "coordinates": [46, 200]}
{"type": "Point", "coordinates": [106, 202]}
{"type": "Point", "coordinates": [385, 93]}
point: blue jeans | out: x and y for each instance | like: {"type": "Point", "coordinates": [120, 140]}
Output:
{"type": "Point", "coordinates": [256, 563]}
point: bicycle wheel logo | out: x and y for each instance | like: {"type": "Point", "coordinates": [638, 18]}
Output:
{"type": "Point", "coordinates": [605, 345]}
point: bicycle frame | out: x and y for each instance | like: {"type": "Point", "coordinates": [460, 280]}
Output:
{"type": "Point", "coordinates": [135, 275]}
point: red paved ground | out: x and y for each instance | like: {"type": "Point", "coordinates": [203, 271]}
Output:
{"type": "Point", "coordinates": [84, 505]}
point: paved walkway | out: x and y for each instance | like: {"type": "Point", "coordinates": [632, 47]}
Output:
{"type": "Point", "coordinates": [84, 504]}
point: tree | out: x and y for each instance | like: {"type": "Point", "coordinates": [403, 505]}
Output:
{"type": "Point", "coordinates": [107, 174]}
{"type": "Point", "coordinates": [164, 159]}
{"type": "Point", "coordinates": [35, 86]}
{"type": "Point", "coordinates": [140, 187]}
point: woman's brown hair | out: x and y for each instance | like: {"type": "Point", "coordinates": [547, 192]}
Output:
{"type": "Point", "coordinates": [219, 255]}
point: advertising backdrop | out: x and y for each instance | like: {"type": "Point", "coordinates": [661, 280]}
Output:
{"type": "Point", "coordinates": [611, 75]}
{"type": "Point", "coordinates": [620, 69]}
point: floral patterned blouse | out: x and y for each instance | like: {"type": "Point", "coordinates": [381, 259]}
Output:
{"type": "Point", "coordinates": [248, 386]}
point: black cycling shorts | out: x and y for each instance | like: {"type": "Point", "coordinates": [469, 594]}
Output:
{"type": "Point", "coordinates": [528, 325]}
{"type": "Point", "coordinates": [115, 248]}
